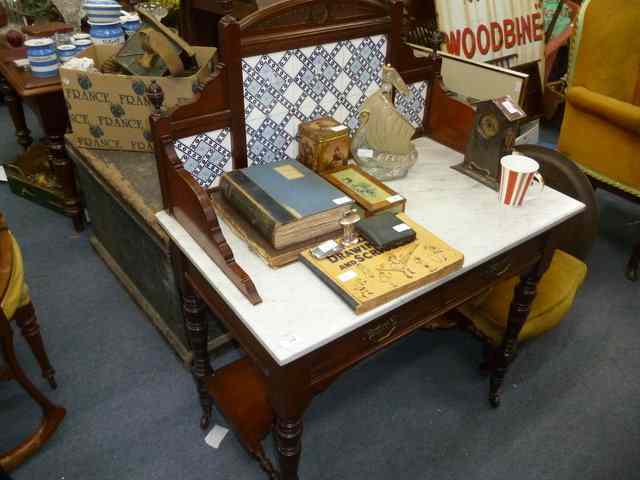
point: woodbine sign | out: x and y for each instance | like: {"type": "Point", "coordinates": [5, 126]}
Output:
{"type": "Point", "coordinates": [484, 30]}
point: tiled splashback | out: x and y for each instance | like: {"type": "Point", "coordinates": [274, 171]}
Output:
{"type": "Point", "coordinates": [285, 88]}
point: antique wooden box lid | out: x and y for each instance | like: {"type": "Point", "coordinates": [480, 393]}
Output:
{"type": "Point", "coordinates": [323, 129]}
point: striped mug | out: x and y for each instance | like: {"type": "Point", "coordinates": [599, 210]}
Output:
{"type": "Point", "coordinates": [43, 60]}
{"type": "Point", "coordinates": [518, 173]}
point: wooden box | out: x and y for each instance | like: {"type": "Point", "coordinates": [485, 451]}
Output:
{"type": "Point", "coordinates": [121, 192]}
{"type": "Point", "coordinates": [371, 195]}
{"type": "Point", "coordinates": [324, 144]}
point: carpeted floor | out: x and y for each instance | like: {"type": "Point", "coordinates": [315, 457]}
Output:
{"type": "Point", "coordinates": [571, 408]}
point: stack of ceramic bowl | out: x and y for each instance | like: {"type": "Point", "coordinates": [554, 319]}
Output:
{"type": "Point", "coordinates": [82, 41]}
{"type": "Point", "coordinates": [65, 52]}
{"type": "Point", "coordinates": [43, 60]}
{"type": "Point", "coordinates": [104, 20]}
{"type": "Point", "coordinates": [130, 23]}
{"type": "Point", "coordinates": [102, 11]}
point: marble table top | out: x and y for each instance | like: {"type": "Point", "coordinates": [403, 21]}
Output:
{"type": "Point", "coordinates": [300, 314]}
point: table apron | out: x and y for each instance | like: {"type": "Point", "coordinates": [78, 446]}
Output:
{"type": "Point", "coordinates": [330, 360]}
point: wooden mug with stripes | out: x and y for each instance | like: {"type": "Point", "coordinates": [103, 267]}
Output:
{"type": "Point", "coordinates": [518, 173]}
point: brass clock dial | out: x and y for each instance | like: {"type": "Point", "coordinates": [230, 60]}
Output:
{"type": "Point", "coordinates": [489, 126]}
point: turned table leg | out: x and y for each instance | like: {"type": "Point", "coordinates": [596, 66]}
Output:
{"type": "Point", "coordinates": [28, 324]}
{"type": "Point", "coordinates": [53, 115]}
{"type": "Point", "coordinates": [290, 394]}
{"type": "Point", "coordinates": [197, 331]}
{"type": "Point", "coordinates": [16, 111]}
{"type": "Point", "coordinates": [288, 435]}
{"type": "Point", "coordinates": [525, 293]}
{"type": "Point", "coordinates": [633, 266]}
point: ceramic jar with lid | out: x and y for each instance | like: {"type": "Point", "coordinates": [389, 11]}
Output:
{"type": "Point", "coordinates": [43, 60]}
{"type": "Point", "coordinates": [106, 33]}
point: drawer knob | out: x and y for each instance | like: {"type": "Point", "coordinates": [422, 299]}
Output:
{"type": "Point", "coordinates": [380, 333]}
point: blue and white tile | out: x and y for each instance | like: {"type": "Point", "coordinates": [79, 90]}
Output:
{"type": "Point", "coordinates": [206, 156]}
{"type": "Point", "coordinates": [271, 139]}
{"type": "Point", "coordinates": [412, 106]}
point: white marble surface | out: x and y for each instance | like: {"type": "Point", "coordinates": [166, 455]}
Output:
{"type": "Point", "coordinates": [300, 314]}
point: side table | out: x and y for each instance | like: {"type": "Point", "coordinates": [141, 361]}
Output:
{"type": "Point", "coordinates": [43, 173]}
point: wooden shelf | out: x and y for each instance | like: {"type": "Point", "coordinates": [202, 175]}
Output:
{"type": "Point", "coordinates": [240, 393]}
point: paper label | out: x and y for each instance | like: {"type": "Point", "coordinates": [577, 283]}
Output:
{"type": "Point", "coordinates": [342, 200]}
{"type": "Point", "coordinates": [395, 198]}
{"type": "Point", "coordinates": [509, 106]}
{"type": "Point", "coordinates": [346, 276]}
{"type": "Point", "coordinates": [289, 340]}
{"type": "Point", "coordinates": [365, 153]}
{"type": "Point", "coordinates": [215, 436]}
{"type": "Point", "coordinates": [338, 128]}
{"type": "Point", "coordinates": [3, 175]}
{"type": "Point", "coordinates": [289, 172]}
{"type": "Point", "coordinates": [327, 246]}
{"type": "Point", "coordinates": [401, 227]}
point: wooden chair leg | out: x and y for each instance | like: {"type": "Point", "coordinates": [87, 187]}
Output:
{"type": "Point", "coordinates": [28, 323]}
{"type": "Point", "coordinates": [52, 414]}
{"type": "Point", "coordinates": [633, 267]}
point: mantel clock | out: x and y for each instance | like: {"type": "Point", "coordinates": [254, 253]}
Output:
{"type": "Point", "coordinates": [495, 129]}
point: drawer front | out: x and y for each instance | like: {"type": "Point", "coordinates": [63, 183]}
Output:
{"type": "Point", "coordinates": [348, 350]}
{"type": "Point", "coordinates": [362, 342]}
{"type": "Point", "coordinates": [514, 262]}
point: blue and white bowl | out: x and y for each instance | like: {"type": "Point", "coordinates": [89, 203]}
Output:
{"type": "Point", "coordinates": [102, 11]}
{"type": "Point", "coordinates": [82, 44]}
{"type": "Point", "coordinates": [130, 23]}
{"type": "Point", "coordinates": [79, 36]}
{"type": "Point", "coordinates": [65, 52]}
{"type": "Point", "coordinates": [106, 33]}
{"type": "Point", "coordinates": [43, 60]}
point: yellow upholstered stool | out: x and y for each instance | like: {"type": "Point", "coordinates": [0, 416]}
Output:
{"type": "Point", "coordinates": [17, 294]}
{"type": "Point", "coordinates": [556, 292]}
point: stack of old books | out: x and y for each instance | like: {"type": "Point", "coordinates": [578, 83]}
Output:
{"type": "Point", "coordinates": [281, 208]}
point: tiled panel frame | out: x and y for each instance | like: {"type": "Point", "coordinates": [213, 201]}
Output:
{"type": "Point", "coordinates": [285, 88]}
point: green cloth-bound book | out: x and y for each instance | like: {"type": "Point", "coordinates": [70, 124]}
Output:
{"type": "Point", "coordinates": [285, 201]}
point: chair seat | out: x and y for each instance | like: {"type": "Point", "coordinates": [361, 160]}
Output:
{"type": "Point", "coordinates": [17, 293]}
{"type": "Point", "coordinates": [556, 292]}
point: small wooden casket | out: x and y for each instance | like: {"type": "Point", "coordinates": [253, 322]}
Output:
{"type": "Point", "coordinates": [324, 144]}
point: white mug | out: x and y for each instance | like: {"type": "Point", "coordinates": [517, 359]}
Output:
{"type": "Point", "coordinates": [518, 173]}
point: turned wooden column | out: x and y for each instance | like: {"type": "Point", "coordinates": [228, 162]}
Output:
{"type": "Point", "coordinates": [54, 119]}
{"type": "Point", "coordinates": [197, 332]}
{"type": "Point", "coordinates": [14, 103]}
{"type": "Point", "coordinates": [290, 395]}
{"type": "Point", "coordinates": [28, 323]}
{"type": "Point", "coordinates": [525, 293]}
{"type": "Point", "coordinates": [633, 266]}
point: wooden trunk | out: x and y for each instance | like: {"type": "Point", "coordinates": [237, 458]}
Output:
{"type": "Point", "coordinates": [122, 194]}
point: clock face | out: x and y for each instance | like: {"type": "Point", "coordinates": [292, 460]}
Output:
{"type": "Point", "coordinates": [489, 126]}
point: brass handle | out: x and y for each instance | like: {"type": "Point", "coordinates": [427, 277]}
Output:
{"type": "Point", "coordinates": [383, 331]}
{"type": "Point", "coordinates": [497, 269]}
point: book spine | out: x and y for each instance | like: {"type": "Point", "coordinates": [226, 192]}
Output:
{"type": "Point", "coordinates": [327, 280]}
{"type": "Point", "coordinates": [252, 212]}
